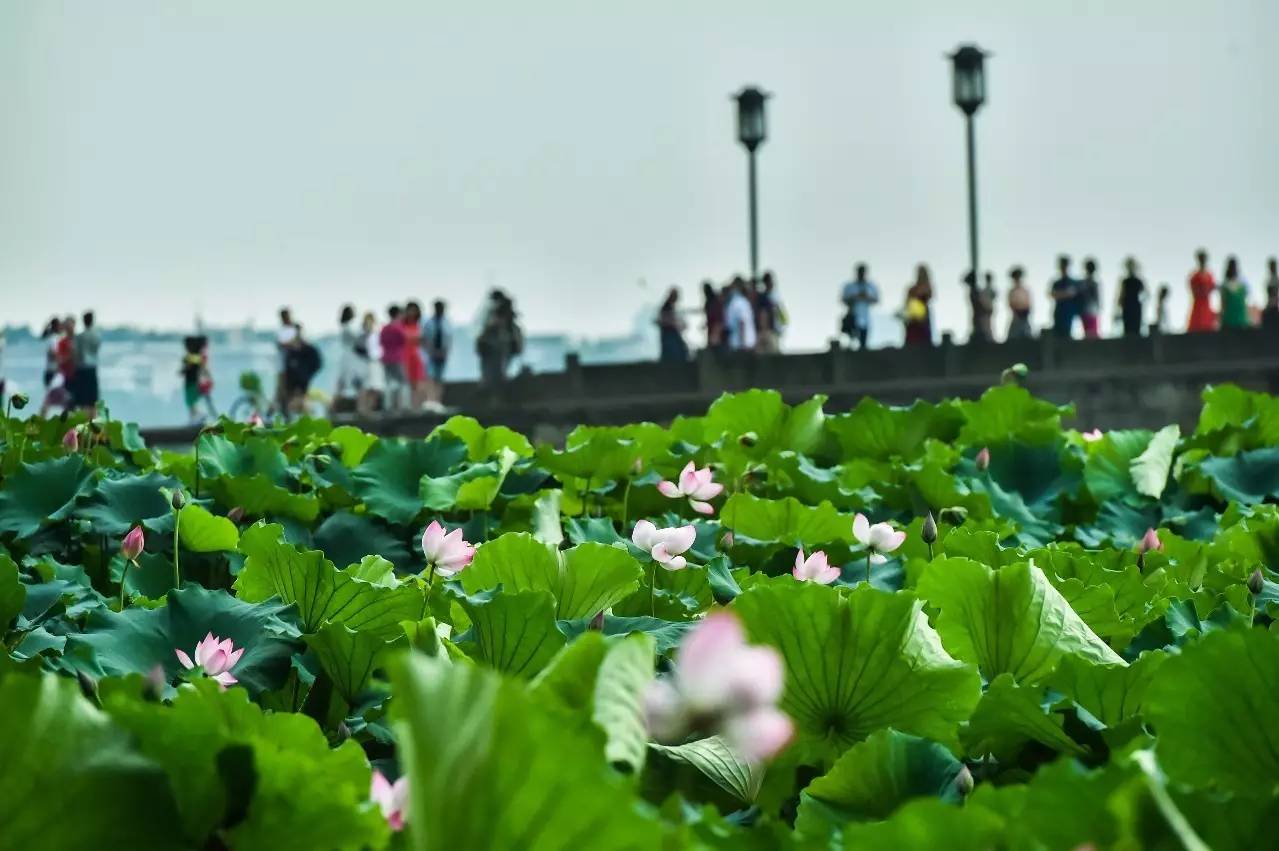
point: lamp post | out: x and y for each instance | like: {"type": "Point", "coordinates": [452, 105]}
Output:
{"type": "Point", "coordinates": [751, 131]}
{"type": "Point", "coordinates": [969, 81]}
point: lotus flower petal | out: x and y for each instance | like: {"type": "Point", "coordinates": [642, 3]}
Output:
{"type": "Point", "coordinates": [184, 659]}
{"type": "Point", "coordinates": [861, 529]}
{"type": "Point", "coordinates": [760, 734]}
{"type": "Point", "coordinates": [644, 535]}
{"type": "Point", "coordinates": [702, 507]}
{"type": "Point", "coordinates": [669, 489]}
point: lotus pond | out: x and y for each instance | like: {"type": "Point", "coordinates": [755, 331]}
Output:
{"type": "Point", "coordinates": [954, 625]}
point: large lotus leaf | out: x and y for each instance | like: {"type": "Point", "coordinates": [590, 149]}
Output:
{"type": "Point", "coordinates": [13, 594]}
{"type": "Point", "coordinates": [876, 430]}
{"type": "Point", "coordinates": [1212, 708]}
{"type": "Point", "coordinates": [514, 632]}
{"type": "Point", "coordinates": [1076, 572]}
{"type": "Point", "coordinates": [1150, 469]}
{"type": "Point", "coordinates": [1008, 717]}
{"type": "Point", "coordinates": [1010, 412]}
{"type": "Point", "coordinates": [787, 521]}
{"type": "Point", "coordinates": [493, 769]}
{"type": "Point", "coordinates": [1234, 419]}
{"type": "Point", "coordinates": [722, 765]}
{"type": "Point", "coordinates": [858, 662]}
{"type": "Point", "coordinates": [875, 777]}
{"type": "Point", "coordinates": [365, 597]}
{"type": "Point", "coordinates": [42, 493]}
{"type": "Point", "coordinates": [1011, 620]}
{"type": "Point", "coordinates": [69, 778]}
{"type": "Point", "coordinates": [349, 657]}
{"type": "Point", "coordinates": [389, 478]}
{"type": "Point", "coordinates": [353, 444]}
{"type": "Point", "coordinates": [346, 538]}
{"type": "Point", "coordinates": [122, 502]}
{"type": "Point", "coordinates": [137, 640]}
{"type": "Point", "coordinates": [584, 580]}
{"type": "Point", "coordinates": [1107, 470]}
{"type": "Point", "coordinates": [202, 532]}
{"type": "Point", "coordinates": [666, 635]}
{"type": "Point", "coordinates": [258, 496]}
{"type": "Point", "coordinates": [472, 488]}
{"type": "Point", "coordinates": [1111, 693]}
{"type": "Point", "coordinates": [483, 442]}
{"type": "Point", "coordinates": [925, 825]}
{"type": "Point", "coordinates": [254, 456]}
{"type": "Point", "coordinates": [600, 459]}
{"type": "Point", "coordinates": [270, 776]}
{"type": "Point", "coordinates": [762, 413]}
{"type": "Point", "coordinates": [1249, 477]}
{"type": "Point", "coordinates": [618, 707]}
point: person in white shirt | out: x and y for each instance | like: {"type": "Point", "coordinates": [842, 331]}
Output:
{"type": "Point", "coordinates": [437, 340]}
{"type": "Point", "coordinates": [285, 337]}
{"type": "Point", "coordinates": [739, 317]}
{"type": "Point", "coordinates": [350, 368]}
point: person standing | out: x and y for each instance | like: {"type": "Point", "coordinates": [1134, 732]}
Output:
{"type": "Point", "coordinates": [1202, 316]}
{"type": "Point", "coordinates": [54, 392]}
{"type": "Point", "coordinates": [670, 328]}
{"type": "Point", "coordinates": [1132, 297]}
{"type": "Point", "coordinates": [1090, 300]}
{"type": "Point", "coordinates": [350, 367]}
{"type": "Point", "coordinates": [1272, 273]}
{"type": "Point", "coordinates": [66, 360]}
{"type": "Point", "coordinates": [368, 350]}
{"type": "Point", "coordinates": [1270, 313]}
{"type": "Point", "coordinates": [917, 315]}
{"type": "Point", "coordinates": [1161, 307]}
{"type": "Point", "coordinates": [84, 389]}
{"type": "Point", "coordinates": [981, 300]}
{"type": "Point", "coordinates": [768, 317]}
{"type": "Point", "coordinates": [713, 311]}
{"type": "Point", "coordinates": [391, 343]}
{"type": "Point", "coordinates": [414, 366]}
{"type": "Point", "coordinates": [1019, 306]}
{"type": "Point", "coordinates": [1065, 295]}
{"type": "Point", "coordinates": [499, 340]}
{"type": "Point", "coordinates": [285, 336]}
{"type": "Point", "coordinates": [197, 381]}
{"type": "Point", "coordinates": [1234, 297]}
{"type": "Point", "coordinates": [858, 296]}
{"type": "Point", "coordinates": [437, 340]}
{"type": "Point", "coordinates": [739, 319]}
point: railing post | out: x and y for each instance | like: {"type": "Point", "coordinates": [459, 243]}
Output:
{"type": "Point", "coordinates": [836, 373]}
{"type": "Point", "coordinates": [948, 354]}
{"type": "Point", "coordinates": [573, 370]}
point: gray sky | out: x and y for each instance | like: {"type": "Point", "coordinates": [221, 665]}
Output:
{"type": "Point", "coordinates": [160, 157]}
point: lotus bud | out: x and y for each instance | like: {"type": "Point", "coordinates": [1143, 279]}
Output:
{"type": "Point", "coordinates": [1256, 581]}
{"type": "Point", "coordinates": [597, 622]}
{"type": "Point", "coordinates": [964, 782]}
{"type": "Point", "coordinates": [929, 533]}
{"type": "Point", "coordinates": [236, 514]}
{"type": "Point", "coordinates": [19, 401]}
{"type": "Point", "coordinates": [153, 687]}
{"type": "Point", "coordinates": [982, 460]}
{"type": "Point", "coordinates": [255, 421]}
{"type": "Point", "coordinates": [748, 439]}
{"type": "Point", "coordinates": [133, 543]}
{"type": "Point", "coordinates": [1014, 374]}
{"type": "Point", "coordinates": [177, 500]}
{"type": "Point", "coordinates": [1149, 541]}
{"type": "Point", "coordinates": [88, 685]}
{"type": "Point", "coordinates": [71, 440]}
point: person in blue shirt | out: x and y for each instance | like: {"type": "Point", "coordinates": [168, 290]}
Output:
{"type": "Point", "coordinates": [858, 295]}
{"type": "Point", "coordinates": [1065, 295]}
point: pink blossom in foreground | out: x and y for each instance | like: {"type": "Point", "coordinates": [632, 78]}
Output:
{"type": "Point", "coordinates": [982, 460]}
{"type": "Point", "coordinates": [216, 657]}
{"type": "Point", "coordinates": [447, 553]}
{"type": "Point", "coordinates": [1092, 436]}
{"type": "Point", "coordinates": [133, 543]}
{"type": "Point", "coordinates": [1150, 541]}
{"type": "Point", "coordinates": [878, 539]}
{"type": "Point", "coordinates": [71, 440]}
{"type": "Point", "coordinates": [391, 798]}
{"type": "Point", "coordinates": [724, 686]}
{"type": "Point", "coordinates": [256, 421]}
{"type": "Point", "coordinates": [815, 568]}
{"type": "Point", "coordinates": [696, 485]}
{"type": "Point", "coordinates": [666, 546]}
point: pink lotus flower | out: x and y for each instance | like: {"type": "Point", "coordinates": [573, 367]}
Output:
{"type": "Point", "coordinates": [391, 798]}
{"type": "Point", "coordinates": [256, 421]}
{"type": "Point", "coordinates": [131, 546]}
{"type": "Point", "coordinates": [216, 657]}
{"type": "Point", "coordinates": [666, 546]}
{"type": "Point", "coordinates": [815, 568]}
{"type": "Point", "coordinates": [722, 685]}
{"type": "Point", "coordinates": [1092, 436]}
{"type": "Point", "coordinates": [697, 485]}
{"type": "Point", "coordinates": [447, 553]}
{"type": "Point", "coordinates": [1150, 541]}
{"type": "Point", "coordinates": [71, 440]}
{"type": "Point", "coordinates": [983, 459]}
{"type": "Point", "coordinates": [877, 539]}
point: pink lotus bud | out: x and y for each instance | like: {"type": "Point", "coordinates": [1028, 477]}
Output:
{"type": "Point", "coordinates": [236, 514]}
{"type": "Point", "coordinates": [71, 440]}
{"type": "Point", "coordinates": [256, 422]}
{"type": "Point", "coordinates": [131, 546]}
{"type": "Point", "coordinates": [983, 459]}
{"type": "Point", "coordinates": [1150, 541]}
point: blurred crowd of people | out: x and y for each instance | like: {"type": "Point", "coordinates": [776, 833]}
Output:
{"type": "Point", "coordinates": [741, 316]}
{"type": "Point", "coordinates": [70, 364]}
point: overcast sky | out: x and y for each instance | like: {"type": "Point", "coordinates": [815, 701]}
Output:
{"type": "Point", "coordinates": [160, 158]}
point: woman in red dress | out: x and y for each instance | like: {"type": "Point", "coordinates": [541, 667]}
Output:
{"type": "Point", "coordinates": [414, 365]}
{"type": "Point", "coordinates": [1202, 316]}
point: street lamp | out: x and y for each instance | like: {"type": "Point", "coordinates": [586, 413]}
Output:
{"type": "Point", "coordinates": [969, 82]}
{"type": "Point", "coordinates": [751, 131]}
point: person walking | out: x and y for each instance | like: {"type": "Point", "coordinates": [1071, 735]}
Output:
{"type": "Point", "coordinates": [1064, 292]}
{"type": "Point", "coordinates": [350, 366]}
{"type": "Point", "coordinates": [437, 340]}
{"type": "Point", "coordinates": [1202, 285]}
{"type": "Point", "coordinates": [670, 329]}
{"type": "Point", "coordinates": [391, 344]}
{"type": "Point", "coordinates": [1234, 297]}
{"type": "Point", "coordinates": [1019, 306]}
{"type": "Point", "coordinates": [739, 318]}
{"type": "Point", "coordinates": [1132, 298]}
{"type": "Point", "coordinates": [768, 317]}
{"type": "Point", "coordinates": [54, 389]}
{"type": "Point", "coordinates": [713, 311]}
{"type": "Point", "coordinates": [858, 296]}
{"type": "Point", "coordinates": [197, 380]}
{"type": "Point", "coordinates": [84, 389]}
{"type": "Point", "coordinates": [917, 314]}
{"type": "Point", "coordinates": [1090, 300]}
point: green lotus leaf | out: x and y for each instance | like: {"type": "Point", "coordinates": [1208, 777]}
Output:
{"type": "Point", "coordinates": [722, 765]}
{"type": "Point", "coordinates": [122, 502]}
{"type": "Point", "coordinates": [42, 493]}
{"type": "Point", "coordinates": [514, 632]}
{"type": "Point", "coordinates": [883, 432]}
{"type": "Point", "coordinates": [389, 478]}
{"type": "Point", "coordinates": [202, 532]}
{"type": "Point", "coordinates": [483, 442]}
{"type": "Point", "coordinates": [1009, 716]}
